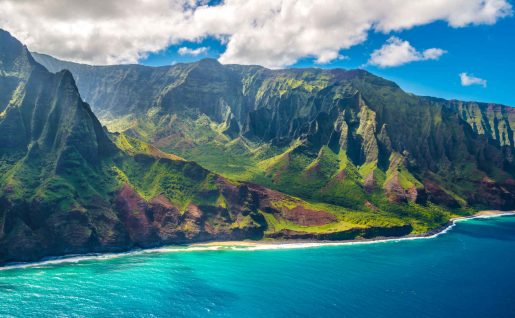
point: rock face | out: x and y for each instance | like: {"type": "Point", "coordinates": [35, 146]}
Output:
{"type": "Point", "coordinates": [300, 130]}
{"type": "Point", "coordinates": [361, 157]}
{"type": "Point", "coordinates": [68, 186]}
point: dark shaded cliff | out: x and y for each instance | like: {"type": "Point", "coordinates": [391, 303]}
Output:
{"type": "Point", "coordinates": [343, 137]}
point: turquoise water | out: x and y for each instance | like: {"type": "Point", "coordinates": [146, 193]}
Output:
{"type": "Point", "coordinates": [467, 272]}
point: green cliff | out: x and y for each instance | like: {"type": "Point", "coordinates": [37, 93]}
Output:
{"type": "Point", "coordinates": [341, 137]}
{"type": "Point", "coordinates": [69, 186]}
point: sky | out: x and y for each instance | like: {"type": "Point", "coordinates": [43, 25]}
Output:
{"type": "Point", "coordinates": [460, 49]}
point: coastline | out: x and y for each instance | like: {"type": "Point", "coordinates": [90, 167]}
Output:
{"type": "Point", "coordinates": [248, 245]}
{"type": "Point", "coordinates": [263, 244]}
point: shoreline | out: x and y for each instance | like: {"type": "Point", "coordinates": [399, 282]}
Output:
{"type": "Point", "coordinates": [485, 214]}
{"type": "Point", "coordinates": [248, 245]}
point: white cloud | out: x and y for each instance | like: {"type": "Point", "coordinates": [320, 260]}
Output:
{"type": "Point", "coordinates": [397, 52]}
{"type": "Point", "coordinates": [325, 58]}
{"type": "Point", "coordinates": [468, 80]}
{"type": "Point", "coordinates": [273, 33]}
{"type": "Point", "coordinates": [433, 54]}
{"type": "Point", "coordinates": [194, 52]}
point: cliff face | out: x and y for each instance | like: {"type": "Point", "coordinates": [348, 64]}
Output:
{"type": "Point", "coordinates": [68, 186]}
{"type": "Point", "coordinates": [43, 122]}
{"type": "Point", "coordinates": [492, 120]}
{"type": "Point", "coordinates": [362, 157]}
{"type": "Point", "coordinates": [342, 137]}
{"type": "Point", "coordinates": [212, 88]}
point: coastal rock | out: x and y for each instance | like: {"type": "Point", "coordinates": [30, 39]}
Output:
{"type": "Point", "coordinates": [351, 234]}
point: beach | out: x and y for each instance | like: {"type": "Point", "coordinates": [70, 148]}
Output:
{"type": "Point", "coordinates": [249, 245]}
{"type": "Point", "coordinates": [466, 272]}
{"type": "Point", "coordinates": [264, 244]}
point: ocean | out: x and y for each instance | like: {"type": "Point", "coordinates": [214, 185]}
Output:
{"type": "Point", "coordinates": [469, 271]}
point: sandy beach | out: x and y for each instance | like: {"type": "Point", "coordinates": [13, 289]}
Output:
{"type": "Point", "coordinates": [263, 244]}
{"type": "Point", "coordinates": [249, 245]}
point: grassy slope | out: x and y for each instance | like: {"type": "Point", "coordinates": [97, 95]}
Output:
{"type": "Point", "coordinates": [188, 120]}
{"type": "Point", "coordinates": [163, 178]}
{"type": "Point", "coordinates": [63, 182]}
{"type": "Point", "coordinates": [316, 177]}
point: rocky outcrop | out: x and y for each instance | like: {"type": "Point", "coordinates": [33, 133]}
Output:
{"type": "Point", "coordinates": [351, 234]}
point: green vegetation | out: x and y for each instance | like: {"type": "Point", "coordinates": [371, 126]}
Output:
{"type": "Point", "coordinates": [300, 153]}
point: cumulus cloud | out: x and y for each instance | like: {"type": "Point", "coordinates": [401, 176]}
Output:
{"type": "Point", "coordinates": [468, 80]}
{"type": "Point", "coordinates": [324, 58]}
{"type": "Point", "coordinates": [194, 52]}
{"type": "Point", "coordinates": [274, 33]}
{"type": "Point", "coordinates": [397, 52]}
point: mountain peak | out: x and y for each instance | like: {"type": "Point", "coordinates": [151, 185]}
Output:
{"type": "Point", "coordinates": [6, 37]}
{"type": "Point", "coordinates": [15, 57]}
{"type": "Point", "coordinates": [208, 62]}
{"type": "Point", "coordinates": [39, 107]}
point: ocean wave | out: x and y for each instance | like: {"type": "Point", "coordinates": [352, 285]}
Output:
{"type": "Point", "coordinates": [106, 256]}
{"type": "Point", "coordinates": [236, 247]}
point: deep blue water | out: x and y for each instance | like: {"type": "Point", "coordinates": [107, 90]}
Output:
{"type": "Point", "coordinates": [467, 272]}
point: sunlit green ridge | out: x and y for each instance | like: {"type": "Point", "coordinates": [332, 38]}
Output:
{"type": "Point", "coordinates": [205, 151]}
{"type": "Point", "coordinates": [69, 186]}
{"type": "Point", "coordinates": [344, 137]}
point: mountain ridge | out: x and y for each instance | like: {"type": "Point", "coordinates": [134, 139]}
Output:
{"type": "Point", "coordinates": [249, 115]}
{"type": "Point", "coordinates": [302, 154]}
{"type": "Point", "coordinates": [68, 186]}
{"type": "Point", "coordinates": [55, 64]}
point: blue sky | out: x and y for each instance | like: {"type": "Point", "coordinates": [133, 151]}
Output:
{"type": "Point", "coordinates": [485, 51]}
{"type": "Point", "coordinates": [424, 46]}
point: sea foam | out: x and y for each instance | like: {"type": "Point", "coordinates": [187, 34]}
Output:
{"type": "Point", "coordinates": [237, 247]}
